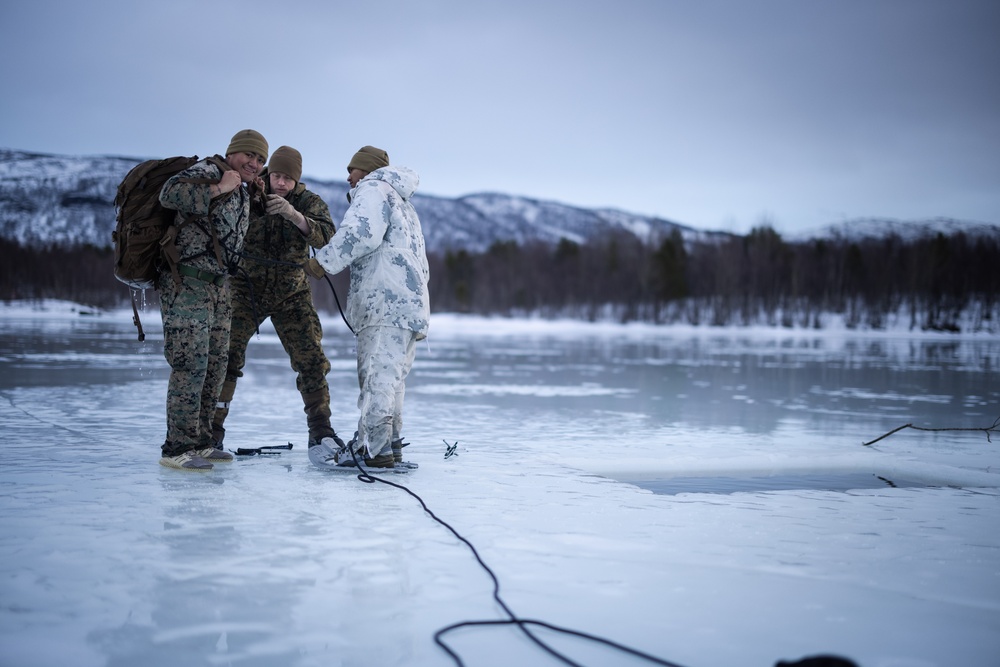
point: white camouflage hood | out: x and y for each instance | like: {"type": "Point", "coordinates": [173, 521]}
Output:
{"type": "Point", "coordinates": [402, 179]}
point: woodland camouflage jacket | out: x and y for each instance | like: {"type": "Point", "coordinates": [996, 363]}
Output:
{"type": "Point", "coordinates": [275, 249]}
{"type": "Point", "coordinates": [230, 215]}
{"type": "Point", "coordinates": [381, 240]}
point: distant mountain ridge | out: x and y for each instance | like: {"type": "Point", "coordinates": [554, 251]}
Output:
{"type": "Point", "coordinates": [67, 200]}
{"type": "Point", "coordinates": [863, 228]}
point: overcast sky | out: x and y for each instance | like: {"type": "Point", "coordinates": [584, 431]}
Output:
{"type": "Point", "coordinates": [716, 114]}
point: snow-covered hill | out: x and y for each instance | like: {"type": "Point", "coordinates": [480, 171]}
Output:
{"type": "Point", "coordinates": [48, 199]}
{"type": "Point", "coordinates": [54, 199]}
{"type": "Point", "coordinates": [67, 200]}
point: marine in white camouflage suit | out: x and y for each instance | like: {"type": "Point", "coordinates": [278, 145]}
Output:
{"type": "Point", "coordinates": [197, 308]}
{"type": "Point", "coordinates": [388, 305]}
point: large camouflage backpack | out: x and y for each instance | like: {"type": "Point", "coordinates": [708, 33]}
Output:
{"type": "Point", "coordinates": [142, 223]}
{"type": "Point", "coordinates": [145, 230]}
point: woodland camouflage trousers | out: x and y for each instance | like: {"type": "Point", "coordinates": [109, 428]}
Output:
{"type": "Point", "coordinates": [298, 327]}
{"type": "Point", "coordinates": [196, 319]}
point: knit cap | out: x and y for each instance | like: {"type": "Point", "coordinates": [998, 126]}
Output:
{"type": "Point", "coordinates": [368, 159]}
{"type": "Point", "coordinates": [248, 141]}
{"type": "Point", "coordinates": [286, 160]}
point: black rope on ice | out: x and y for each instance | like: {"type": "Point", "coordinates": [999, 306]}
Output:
{"type": "Point", "coordinates": [337, 300]}
{"type": "Point", "coordinates": [521, 623]}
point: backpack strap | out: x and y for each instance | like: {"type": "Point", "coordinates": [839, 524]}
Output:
{"type": "Point", "coordinates": [216, 245]}
{"type": "Point", "coordinates": [135, 317]}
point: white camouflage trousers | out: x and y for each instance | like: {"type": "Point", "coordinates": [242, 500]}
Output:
{"type": "Point", "coordinates": [385, 356]}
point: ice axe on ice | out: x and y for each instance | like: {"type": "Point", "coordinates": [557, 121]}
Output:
{"type": "Point", "coordinates": [265, 450]}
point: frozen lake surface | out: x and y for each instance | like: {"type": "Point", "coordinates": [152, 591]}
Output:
{"type": "Point", "coordinates": [700, 495]}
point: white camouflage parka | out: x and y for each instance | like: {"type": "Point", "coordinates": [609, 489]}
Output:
{"type": "Point", "coordinates": [381, 240]}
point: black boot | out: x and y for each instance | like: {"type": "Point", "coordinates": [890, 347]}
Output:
{"type": "Point", "coordinates": [317, 409]}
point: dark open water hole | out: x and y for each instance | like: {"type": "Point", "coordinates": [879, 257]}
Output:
{"type": "Point", "coordinates": [815, 482]}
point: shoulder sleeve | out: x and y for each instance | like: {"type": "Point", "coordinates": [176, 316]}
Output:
{"type": "Point", "coordinates": [361, 232]}
{"type": "Point", "coordinates": [192, 198]}
{"type": "Point", "coordinates": [318, 217]}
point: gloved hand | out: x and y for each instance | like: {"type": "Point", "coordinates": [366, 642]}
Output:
{"type": "Point", "coordinates": [278, 205]}
{"type": "Point", "coordinates": [314, 268]}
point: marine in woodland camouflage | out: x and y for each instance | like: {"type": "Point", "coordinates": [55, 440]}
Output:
{"type": "Point", "coordinates": [275, 250]}
{"type": "Point", "coordinates": [381, 240]}
{"type": "Point", "coordinates": [196, 314]}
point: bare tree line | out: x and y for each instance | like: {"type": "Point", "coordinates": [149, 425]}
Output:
{"type": "Point", "coordinates": [756, 278]}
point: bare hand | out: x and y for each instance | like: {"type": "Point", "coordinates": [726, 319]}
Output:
{"type": "Point", "coordinates": [230, 181]}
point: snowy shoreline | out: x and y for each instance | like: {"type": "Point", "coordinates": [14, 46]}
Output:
{"type": "Point", "coordinates": [463, 324]}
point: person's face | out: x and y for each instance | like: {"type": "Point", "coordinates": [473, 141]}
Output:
{"type": "Point", "coordinates": [355, 175]}
{"type": "Point", "coordinates": [247, 164]}
{"type": "Point", "coordinates": [281, 184]}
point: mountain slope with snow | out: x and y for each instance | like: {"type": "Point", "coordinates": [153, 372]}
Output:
{"type": "Point", "coordinates": [65, 200]}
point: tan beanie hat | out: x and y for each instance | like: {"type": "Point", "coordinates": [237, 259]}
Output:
{"type": "Point", "coordinates": [286, 160]}
{"type": "Point", "coordinates": [248, 141]}
{"type": "Point", "coordinates": [368, 159]}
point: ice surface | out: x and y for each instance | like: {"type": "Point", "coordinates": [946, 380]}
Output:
{"type": "Point", "coordinates": [107, 558]}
